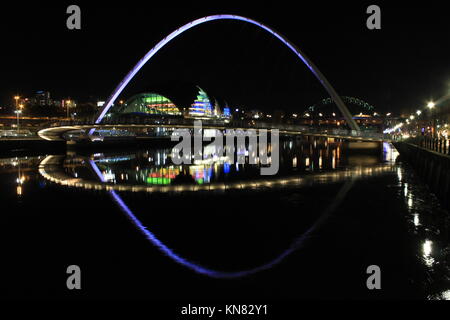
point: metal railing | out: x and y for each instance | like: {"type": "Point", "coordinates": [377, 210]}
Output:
{"type": "Point", "coordinates": [441, 145]}
{"type": "Point", "coordinates": [349, 133]}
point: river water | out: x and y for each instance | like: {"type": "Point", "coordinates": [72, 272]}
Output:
{"type": "Point", "coordinates": [140, 227]}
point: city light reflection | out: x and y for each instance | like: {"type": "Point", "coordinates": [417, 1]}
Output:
{"type": "Point", "coordinates": [427, 250]}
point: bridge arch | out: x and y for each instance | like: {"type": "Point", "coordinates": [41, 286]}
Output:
{"type": "Point", "coordinates": [365, 106]}
{"type": "Point", "coordinates": [342, 107]}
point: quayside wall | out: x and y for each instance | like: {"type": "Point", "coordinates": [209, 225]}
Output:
{"type": "Point", "coordinates": [432, 167]}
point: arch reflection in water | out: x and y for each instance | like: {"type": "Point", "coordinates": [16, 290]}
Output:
{"type": "Point", "coordinates": [211, 272]}
{"type": "Point", "coordinates": [48, 169]}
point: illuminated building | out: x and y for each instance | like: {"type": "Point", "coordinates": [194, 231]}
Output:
{"type": "Point", "coordinates": [202, 106]}
{"type": "Point", "coordinates": [217, 111]}
{"type": "Point", "coordinates": [145, 104]}
{"type": "Point", "coordinates": [226, 112]}
{"type": "Point", "coordinates": [40, 98]}
{"type": "Point", "coordinates": [148, 103]}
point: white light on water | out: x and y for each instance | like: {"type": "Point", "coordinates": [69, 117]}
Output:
{"type": "Point", "coordinates": [427, 247]}
{"type": "Point", "coordinates": [410, 203]}
{"type": "Point", "coordinates": [399, 174]}
{"type": "Point", "coordinates": [427, 250]}
{"type": "Point", "coordinates": [446, 295]}
{"type": "Point", "coordinates": [416, 220]}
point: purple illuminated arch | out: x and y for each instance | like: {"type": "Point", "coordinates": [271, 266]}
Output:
{"type": "Point", "coordinates": [150, 236]}
{"type": "Point", "coordinates": [342, 107]}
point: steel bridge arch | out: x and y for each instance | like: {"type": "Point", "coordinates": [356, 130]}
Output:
{"type": "Point", "coordinates": [347, 100]}
{"type": "Point", "coordinates": [342, 107]}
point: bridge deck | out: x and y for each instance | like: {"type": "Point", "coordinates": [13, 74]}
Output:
{"type": "Point", "coordinates": [56, 133]}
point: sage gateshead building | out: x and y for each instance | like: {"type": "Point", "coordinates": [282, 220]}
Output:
{"type": "Point", "coordinates": [149, 104]}
{"type": "Point", "coordinates": [155, 105]}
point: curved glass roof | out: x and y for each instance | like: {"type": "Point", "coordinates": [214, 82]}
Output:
{"type": "Point", "coordinates": [149, 103]}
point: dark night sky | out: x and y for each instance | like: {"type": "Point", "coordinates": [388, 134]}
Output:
{"type": "Point", "coordinates": [396, 69]}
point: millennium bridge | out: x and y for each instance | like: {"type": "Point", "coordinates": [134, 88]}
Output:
{"type": "Point", "coordinates": [98, 130]}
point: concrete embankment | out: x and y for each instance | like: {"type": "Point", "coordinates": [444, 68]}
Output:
{"type": "Point", "coordinates": [432, 167]}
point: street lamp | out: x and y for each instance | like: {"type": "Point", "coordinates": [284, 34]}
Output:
{"type": "Point", "coordinates": [16, 98]}
{"type": "Point", "coordinates": [18, 112]}
{"type": "Point", "coordinates": [419, 112]}
{"type": "Point", "coordinates": [67, 107]}
{"type": "Point", "coordinates": [431, 105]}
